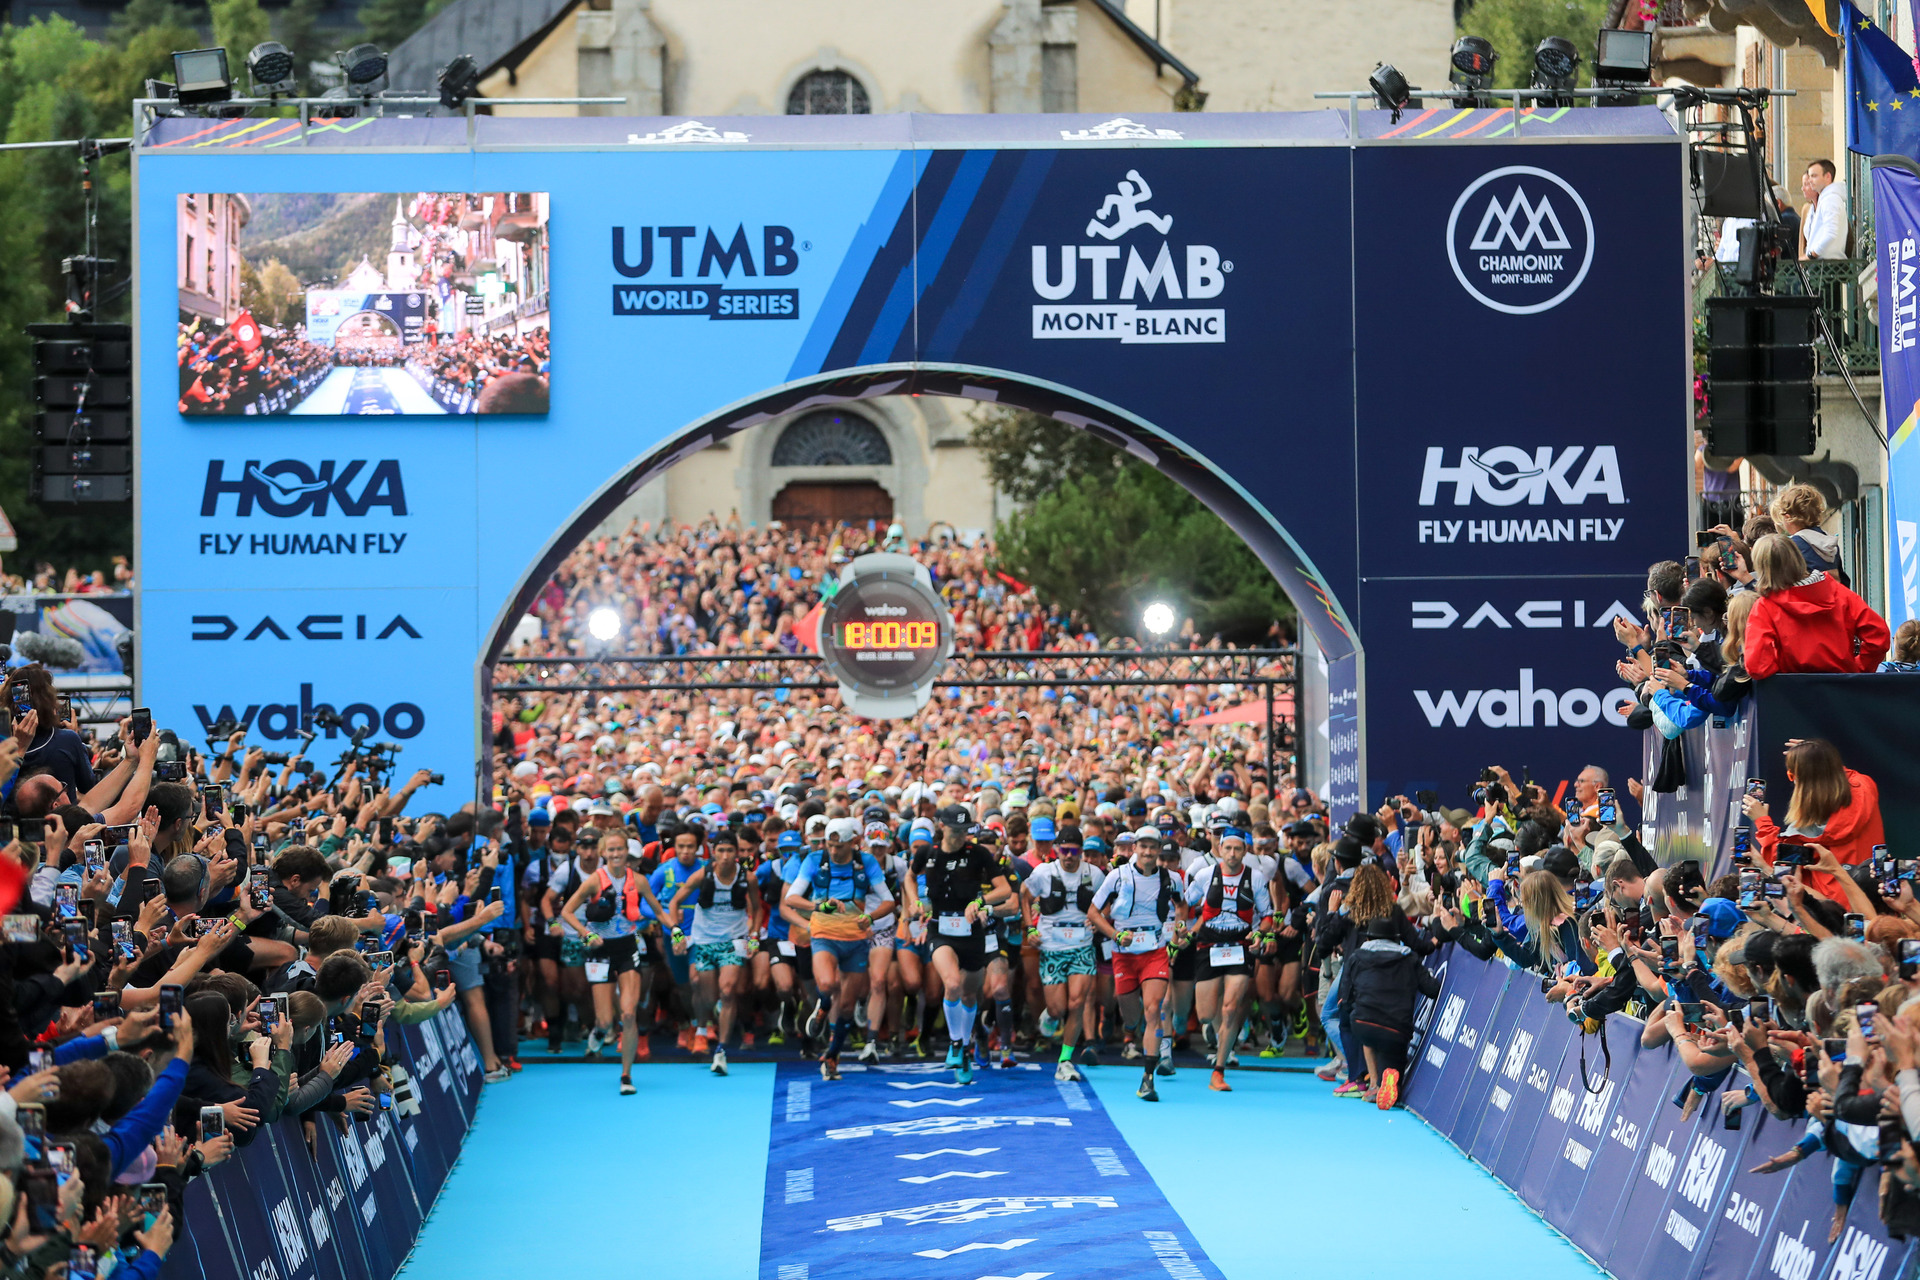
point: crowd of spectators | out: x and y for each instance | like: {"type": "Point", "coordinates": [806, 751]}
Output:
{"type": "Point", "coordinates": [221, 374]}
{"type": "Point", "coordinates": [504, 372]}
{"type": "Point", "coordinates": [46, 579]}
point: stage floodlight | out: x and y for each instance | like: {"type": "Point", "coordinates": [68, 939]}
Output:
{"type": "Point", "coordinates": [1624, 57]}
{"type": "Point", "coordinates": [1472, 62]}
{"type": "Point", "coordinates": [1158, 618]}
{"type": "Point", "coordinates": [1390, 88]}
{"type": "Point", "coordinates": [200, 76]}
{"type": "Point", "coordinates": [603, 623]}
{"type": "Point", "coordinates": [459, 80]}
{"type": "Point", "coordinates": [270, 67]}
{"type": "Point", "coordinates": [363, 64]}
{"type": "Point", "coordinates": [1555, 63]}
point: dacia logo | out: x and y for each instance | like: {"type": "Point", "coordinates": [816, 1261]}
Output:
{"type": "Point", "coordinates": [1506, 476]}
{"type": "Point", "coordinates": [686, 284]}
{"type": "Point", "coordinates": [1520, 239]}
{"type": "Point", "coordinates": [1144, 277]}
{"type": "Point", "coordinates": [290, 487]}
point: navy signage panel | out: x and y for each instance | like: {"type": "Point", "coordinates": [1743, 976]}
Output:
{"type": "Point", "coordinates": [1438, 1023]}
{"type": "Point", "coordinates": [1598, 1128]}
{"type": "Point", "coordinates": [1506, 1063]}
{"type": "Point", "coordinates": [1464, 1018]}
{"type": "Point", "coordinates": [1391, 388]}
{"type": "Point", "coordinates": [1528, 1117]}
{"type": "Point", "coordinates": [1477, 1114]}
{"type": "Point", "coordinates": [1682, 1229]}
{"type": "Point", "coordinates": [1550, 1143]}
{"type": "Point", "coordinates": [1614, 1172]}
{"type": "Point", "coordinates": [1741, 1231]}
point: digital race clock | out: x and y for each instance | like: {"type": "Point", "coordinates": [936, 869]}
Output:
{"type": "Point", "coordinates": [885, 635]}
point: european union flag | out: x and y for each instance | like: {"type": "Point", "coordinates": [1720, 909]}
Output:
{"type": "Point", "coordinates": [1883, 91]}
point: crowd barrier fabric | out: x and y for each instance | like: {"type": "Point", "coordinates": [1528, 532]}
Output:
{"type": "Point", "coordinates": [349, 1207]}
{"type": "Point", "coordinates": [1606, 1155]}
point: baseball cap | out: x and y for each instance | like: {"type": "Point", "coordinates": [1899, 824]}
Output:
{"type": "Point", "coordinates": [790, 840]}
{"type": "Point", "coordinates": [1561, 862]}
{"type": "Point", "coordinates": [1095, 844]}
{"type": "Point", "coordinates": [539, 818]}
{"type": "Point", "coordinates": [1042, 829]}
{"type": "Point", "coordinates": [920, 830]}
{"type": "Point", "coordinates": [817, 822]}
{"type": "Point", "coordinates": [879, 831]}
{"type": "Point", "coordinates": [1148, 833]}
{"type": "Point", "coordinates": [1723, 918]}
{"type": "Point", "coordinates": [956, 815]}
{"type": "Point", "coordinates": [600, 809]}
{"type": "Point", "coordinates": [843, 829]}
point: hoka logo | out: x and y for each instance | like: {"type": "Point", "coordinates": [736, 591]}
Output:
{"type": "Point", "coordinates": [1450, 1014]}
{"type": "Point", "coordinates": [1860, 1257]}
{"type": "Point", "coordinates": [1593, 1109]}
{"type": "Point", "coordinates": [1520, 224]}
{"type": "Point", "coordinates": [286, 1226]}
{"type": "Point", "coordinates": [1704, 1163]}
{"type": "Point", "coordinates": [1517, 1054]}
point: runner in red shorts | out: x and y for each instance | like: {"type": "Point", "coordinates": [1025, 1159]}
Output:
{"type": "Point", "coordinates": [1141, 907]}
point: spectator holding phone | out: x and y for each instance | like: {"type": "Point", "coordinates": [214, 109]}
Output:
{"type": "Point", "coordinates": [1832, 807]}
{"type": "Point", "coordinates": [1806, 620]}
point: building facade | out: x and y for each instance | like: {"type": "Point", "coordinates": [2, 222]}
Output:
{"type": "Point", "coordinates": [207, 254]}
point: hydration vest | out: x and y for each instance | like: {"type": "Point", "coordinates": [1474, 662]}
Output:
{"type": "Point", "coordinates": [602, 908]}
{"type": "Point", "coordinates": [737, 894]}
{"type": "Point", "coordinates": [1055, 900]}
{"type": "Point", "coordinates": [862, 882]}
{"type": "Point", "coordinates": [1244, 904]}
{"type": "Point", "coordinates": [1163, 904]}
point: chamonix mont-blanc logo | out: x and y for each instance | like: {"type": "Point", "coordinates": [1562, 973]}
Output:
{"type": "Point", "coordinates": [1520, 240]}
{"type": "Point", "coordinates": [1119, 270]}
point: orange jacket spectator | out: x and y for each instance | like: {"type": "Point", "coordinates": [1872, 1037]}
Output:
{"type": "Point", "coordinates": [1842, 805]}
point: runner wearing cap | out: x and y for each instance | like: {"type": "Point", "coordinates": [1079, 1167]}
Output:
{"type": "Point", "coordinates": [689, 843]}
{"type": "Point", "coordinates": [1054, 901]}
{"type": "Point", "coordinates": [843, 881]}
{"type": "Point", "coordinates": [782, 967]}
{"type": "Point", "coordinates": [1140, 906]}
{"type": "Point", "coordinates": [726, 905]}
{"type": "Point", "coordinates": [1005, 938]}
{"type": "Point", "coordinates": [958, 916]}
{"type": "Point", "coordinates": [1235, 911]}
{"type": "Point", "coordinates": [882, 982]}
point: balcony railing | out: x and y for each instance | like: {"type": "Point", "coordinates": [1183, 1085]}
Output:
{"type": "Point", "coordinates": [1837, 284]}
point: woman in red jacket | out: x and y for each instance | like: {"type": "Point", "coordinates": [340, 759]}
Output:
{"type": "Point", "coordinates": [1806, 621]}
{"type": "Point", "coordinates": [1831, 806]}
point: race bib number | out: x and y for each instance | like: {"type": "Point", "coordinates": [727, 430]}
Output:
{"type": "Point", "coordinates": [599, 970]}
{"type": "Point", "coordinates": [1072, 935]}
{"type": "Point", "coordinates": [639, 947]}
{"type": "Point", "coordinates": [955, 927]}
{"type": "Point", "coordinates": [1143, 941]}
{"type": "Point", "coordinates": [787, 948]}
{"type": "Point", "coordinates": [741, 948]}
{"type": "Point", "coordinates": [1226, 956]}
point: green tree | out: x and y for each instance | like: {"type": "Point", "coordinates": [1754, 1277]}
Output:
{"type": "Point", "coordinates": [388, 22]}
{"type": "Point", "coordinates": [1102, 534]}
{"type": "Point", "coordinates": [299, 30]}
{"type": "Point", "coordinates": [1516, 28]}
{"type": "Point", "coordinates": [238, 25]}
{"type": "Point", "coordinates": [272, 293]}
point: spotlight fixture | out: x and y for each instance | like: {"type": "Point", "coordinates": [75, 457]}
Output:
{"type": "Point", "coordinates": [459, 80]}
{"type": "Point", "coordinates": [603, 623]}
{"type": "Point", "coordinates": [345, 105]}
{"type": "Point", "coordinates": [201, 77]}
{"type": "Point", "coordinates": [270, 67]}
{"type": "Point", "coordinates": [1622, 60]}
{"type": "Point", "coordinates": [1158, 618]}
{"type": "Point", "coordinates": [1556, 65]}
{"type": "Point", "coordinates": [1389, 89]}
{"type": "Point", "coordinates": [1471, 68]}
{"type": "Point", "coordinates": [363, 64]}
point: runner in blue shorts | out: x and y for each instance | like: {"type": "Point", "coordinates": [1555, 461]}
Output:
{"type": "Point", "coordinates": [829, 895]}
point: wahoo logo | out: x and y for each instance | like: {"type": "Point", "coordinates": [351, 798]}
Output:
{"type": "Point", "coordinates": [1560, 1105]}
{"type": "Point", "coordinates": [1661, 1162]}
{"type": "Point", "coordinates": [1506, 476]}
{"type": "Point", "coordinates": [1593, 1109]}
{"type": "Point", "coordinates": [1793, 1258]}
{"type": "Point", "coordinates": [286, 1228]}
{"type": "Point", "coordinates": [1489, 1056]}
{"type": "Point", "coordinates": [1704, 1164]}
{"type": "Point", "coordinates": [1450, 1013]}
{"type": "Point", "coordinates": [278, 721]}
{"type": "Point", "coordinates": [1859, 1257]}
{"type": "Point", "coordinates": [1522, 707]}
{"type": "Point", "coordinates": [1195, 274]}
{"type": "Point", "coordinates": [1520, 240]}
{"type": "Point", "coordinates": [291, 488]}
{"type": "Point", "coordinates": [1517, 1050]}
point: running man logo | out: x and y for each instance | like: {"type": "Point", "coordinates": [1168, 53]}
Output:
{"type": "Point", "coordinates": [1593, 1109]}
{"type": "Point", "coordinates": [1704, 1164]}
{"type": "Point", "coordinates": [1145, 276]}
{"type": "Point", "coordinates": [1515, 241]}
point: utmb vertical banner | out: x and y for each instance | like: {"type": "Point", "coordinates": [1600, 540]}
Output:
{"type": "Point", "coordinates": [1896, 220]}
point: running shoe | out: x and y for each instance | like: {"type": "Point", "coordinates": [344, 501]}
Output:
{"type": "Point", "coordinates": [1207, 1034]}
{"type": "Point", "coordinates": [513, 1064]}
{"type": "Point", "coordinates": [496, 1075]}
{"type": "Point", "coordinates": [1389, 1091]}
{"type": "Point", "coordinates": [982, 1056]}
{"type": "Point", "coordinates": [775, 1038]}
{"type": "Point", "coordinates": [1271, 1050]}
{"type": "Point", "coordinates": [868, 1053]}
{"type": "Point", "coordinates": [1065, 1072]}
{"type": "Point", "coordinates": [920, 1047]}
{"type": "Point", "coordinates": [594, 1042]}
{"type": "Point", "coordinates": [1006, 1058]}
{"type": "Point", "coordinates": [1369, 1094]}
{"type": "Point", "coordinates": [816, 1019]}
{"type": "Point", "coordinates": [719, 1066]}
{"type": "Point", "coordinates": [830, 1067]}
{"type": "Point", "coordinates": [626, 1087]}
{"type": "Point", "coordinates": [1328, 1072]}
{"type": "Point", "coordinates": [553, 1048]}
{"type": "Point", "coordinates": [1131, 1052]}
{"type": "Point", "coordinates": [964, 1072]}
{"type": "Point", "coordinates": [1049, 1026]}
{"type": "Point", "coordinates": [953, 1057]}
{"type": "Point", "coordinates": [685, 1039]}
{"type": "Point", "coordinates": [1089, 1056]}
{"type": "Point", "coordinates": [1219, 1082]}
{"type": "Point", "coordinates": [1351, 1089]}
{"type": "Point", "coordinates": [1165, 1066]}
{"type": "Point", "coordinates": [1233, 1059]}
{"type": "Point", "coordinates": [700, 1046]}
{"type": "Point", "coordinates": [1146, 1092]}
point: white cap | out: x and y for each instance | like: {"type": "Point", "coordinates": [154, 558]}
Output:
{"type": "Point", "coordinates": [841, 829]}
{"type": "Point", "coordinates": [1147, 833]}
{"type": "Point", "coordinates": [816, 823]}
{"type": "Point", "coordinates": [525, 769]}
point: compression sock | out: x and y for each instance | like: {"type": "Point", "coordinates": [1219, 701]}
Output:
{"type": "Point", "coordinates": [1003, 1022]}
{"type": "Point", "coordinates": [1066, 1051]}
{"type": "Point", "coordinates": [956, 1020]}
{"type": "Point", "coordinates": [968, 1013]}
{"type": "Point", "coordinates": [838, 1039]}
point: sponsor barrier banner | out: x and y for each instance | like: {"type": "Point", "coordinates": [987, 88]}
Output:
{"type": "Point", "coordinates": [1649, 1193]}
{"type": "Point", "coordinates": [349, 1207]}
{"type": "Point", "coordinates": [898, 1171]}
{"type": "Point", "coordinates": [1896, 216]}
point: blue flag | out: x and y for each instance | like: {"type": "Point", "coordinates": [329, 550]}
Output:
{"type": "Point", "coordinates": [1883, 91]}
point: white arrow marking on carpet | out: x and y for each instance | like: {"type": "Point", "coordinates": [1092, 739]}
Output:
{"type": "Point", "coordinates": [934, 1102]}
{"type": "Point", "coordinates": [925, 1178]}
{"type": "Point", "coordinates": [1024, 1275]}
{"type": "Point", "coordinates": [945, 1151]}
{"type": "Point", "coordinates": [923, 1084]}
{"type": "Point", "coordinates": [966, 1248]}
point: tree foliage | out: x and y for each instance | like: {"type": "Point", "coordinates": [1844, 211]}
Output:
{"type": "Point", "coordinates": [1103, 534]}
{"type": "Point", "coordinates": [1516, 27]}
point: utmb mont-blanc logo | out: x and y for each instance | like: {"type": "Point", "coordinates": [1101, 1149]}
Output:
{"type": "Point", "coordinates": [1520, 240]}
